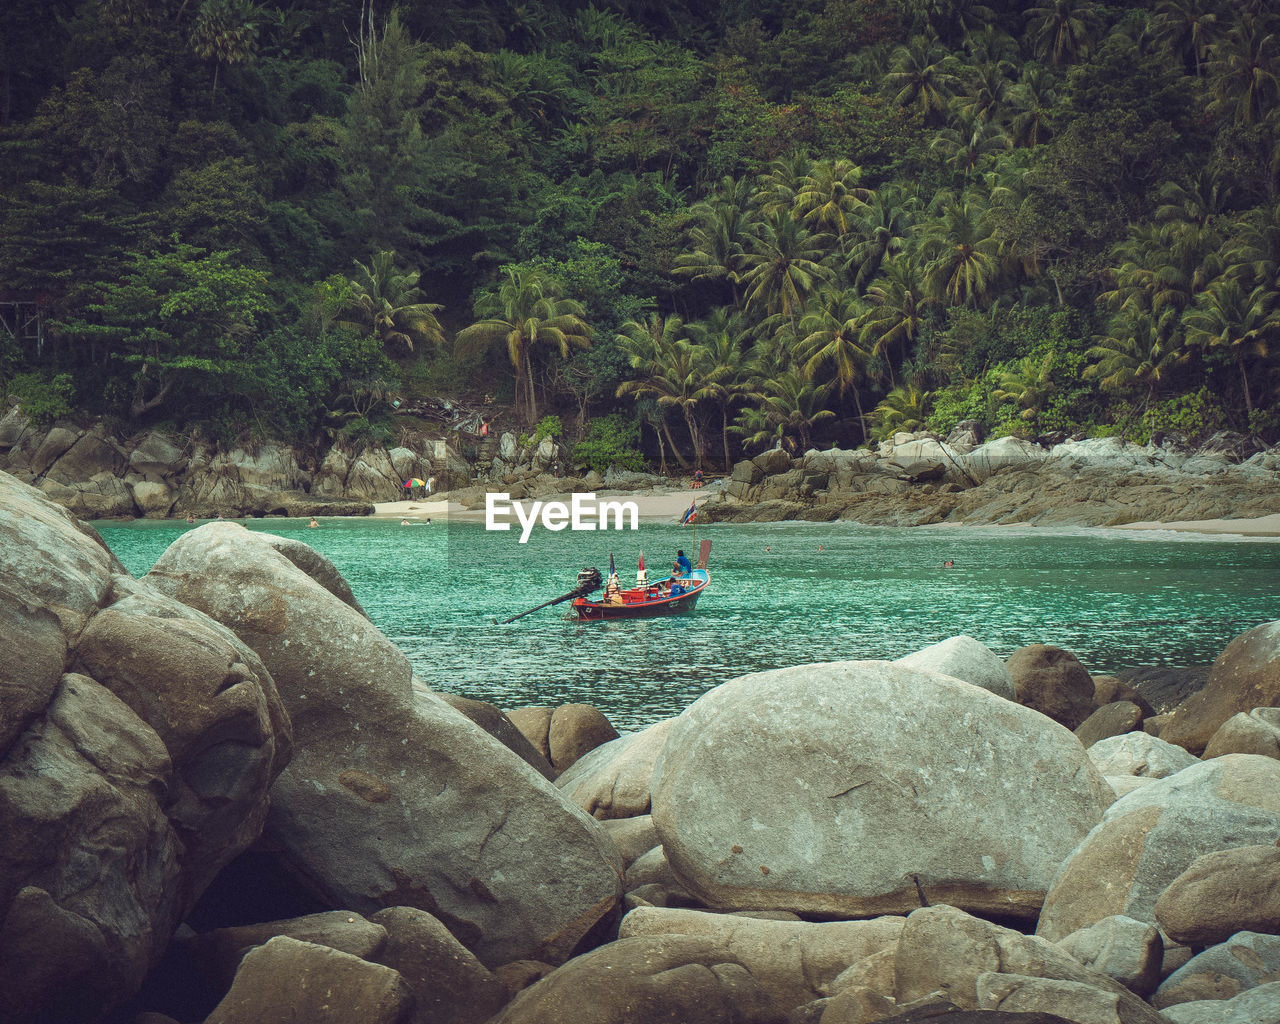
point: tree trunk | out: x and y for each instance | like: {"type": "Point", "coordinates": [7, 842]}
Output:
{"type": "Point", "coordinates": [533, 402]}
{"type": "Point", "coordinates": [1244, 381]}
{"type": "Point", "coordinates": [724, 435]}
{"type": "Point", "coordinates": [862, 420]}
{"type": "Point", "coordinates": [684, 463]}
{"type": "Point", "coordinates": [693, 436]}
{"type": "Point", "coordinates": [662, 451]}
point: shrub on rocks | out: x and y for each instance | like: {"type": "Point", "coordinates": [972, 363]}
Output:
{"type": "Point", "coordinates": [768, 782]}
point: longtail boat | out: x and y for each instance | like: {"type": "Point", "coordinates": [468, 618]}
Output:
{"type": "Point", "coordinates": [672, 595]}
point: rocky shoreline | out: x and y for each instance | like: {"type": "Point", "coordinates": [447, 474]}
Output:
{"type": "Point", "coordinates": [910, 480]}
{"type": "Point", "coordinates": [228, 799]}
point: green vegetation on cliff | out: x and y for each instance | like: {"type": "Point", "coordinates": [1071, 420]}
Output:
{"type": "Point", "coordinates": [713, 226]}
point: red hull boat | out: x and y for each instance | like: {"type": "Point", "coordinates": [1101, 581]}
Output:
{"type": "Point", "coordinates": [670, 596]}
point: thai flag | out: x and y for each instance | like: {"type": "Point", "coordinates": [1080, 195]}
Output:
{"type": "Point", "coordinates": [691, 513]}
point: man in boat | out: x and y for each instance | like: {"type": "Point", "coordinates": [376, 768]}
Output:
{"type": "Point", "coordinates": [682, 565]}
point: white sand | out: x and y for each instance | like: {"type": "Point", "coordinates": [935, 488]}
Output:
{"type": "Point", "coordinates": [667, 505]}
{"type": "Point", "coordinates": [1264, 526]}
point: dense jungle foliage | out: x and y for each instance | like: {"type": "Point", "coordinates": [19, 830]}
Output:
{"type": "Point", "coordinates": [700, 227]}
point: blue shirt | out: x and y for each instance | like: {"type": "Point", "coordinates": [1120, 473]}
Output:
{"type": "Point", "coordinates": [686, 566]}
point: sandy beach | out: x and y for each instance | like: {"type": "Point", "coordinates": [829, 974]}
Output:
{"type": "Point", "coordinates": [1263, 526]}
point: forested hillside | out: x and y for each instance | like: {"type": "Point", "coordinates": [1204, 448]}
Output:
{"type": "Point", "coordinates": [713, 224]}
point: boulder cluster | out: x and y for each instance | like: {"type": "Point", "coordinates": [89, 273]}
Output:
{"type": "Point", "coordinates": [227, 798]}
{"type": "Point", "coordinates": [917, 479]}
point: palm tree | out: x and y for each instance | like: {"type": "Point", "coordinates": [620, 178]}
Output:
{"type": "Point", "coordinates": [897, 314]}
{"type": "Point", "coordinates": [1164, 267]}
{"type": "Point", "coordinates": [722, 336]}
{"type": "Point", "coordinates": [716, 239]}
{"type": "Point", "coordinates": [965, 142]}
{"type": "Point", "coordinates": [901, 409]}
{"type": "Point", "coordinates": [1243, 322]}
{"type": "Point", "coordinates": [963, 256]}
{"type": "Point", "coordinates": [1028, 383]}
{"type": "Point", "coordinates": [832, 334]}
{"type": "Point", "coordinates": [1257, 246]}
{"type": "Point", "coordinates": [1243, 70]}
{"type": "Point", "coordinates": [226, 32]}
{"type": "Point", "coordinates": [777, 187]}
{"type": "Point", "coordinates": [389, 302]}
{"type": "Point", "coordinates": [1061, 30]}
{"type": "Point", "coordinates": [1133, 355]}
{"type": "Point", "coordinates": [1198, 202]}
{"type": "Point", "coordinates": [921, 78]}
{"type": "Point", "coordinates": [1030, 102]}
{"type": "Point", "coordinates": [783, 266]}
{"type": "Point", "coordinates": [829, 195]}
{"type": "Point", "coordinates": [526, 311]}
{"type": "Point", "coordinates": [671, 370]}
{"type": "Point", "coordinates": [884, 225]}
{"type": "Point", "coordinates": [791, 405]}
{"type": "Point", "coordinates": [1186, 26]}
{"type": "Point", "coordinates": [985, 91]}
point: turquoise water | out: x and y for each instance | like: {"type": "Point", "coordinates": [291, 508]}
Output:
{"type": "Point", "coordinates": [1115, 599]}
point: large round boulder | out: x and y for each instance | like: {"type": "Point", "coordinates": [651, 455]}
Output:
{"type": "Point", "coordinates": [862, 788]}
{"type": "Point", "coordinates": [1149, 837]}
{"type": "Point", "coordinates": [138, 743]}
{"type": "Point", "coordinates": [1245, 676]}
{"type": "Point", "coordinates": [394, 798]}
{"type": "Point", "coordinates": [967, 659]}
{"type": "Point", "coordinates": [1255, 732]}
{"type": "Point", "coordinates": [1053, 682]}
{"type": "Point", "coordinates": [1139, 754]}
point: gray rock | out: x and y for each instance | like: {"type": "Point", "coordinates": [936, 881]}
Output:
{"type": "Point", "coordinates": [942, 952]}
{"type": "Point", "coordinates": [1129, 951]}
{"type": "Point", "coordinates": [966, 659]}
{"type": "Point", "coordinates": [1243, 962]}
{"type": "Point", "coordinates": [1223, 893]}
{"type": "Point", "coordinates": [1016, 993]}
{"type": "Point", "coordinates": [393, 797]}
{"type": "Point", "coordinates": [94, 452]}
{"type": "Point", "coordinates": [1137, 753]}
{"type": "Point", "coordinates": [1126, 784]}
{"type": "Point", "coordinates": [633, 837]}
{"type": "Point", "coordinates": [507, 446]}
{"type": "Point", "coordinates": [614, 780]}
{"type": "Point", "coordinates": [574, 730]}
{"type": "Point", "coordinates": [1002, 453]}
{"type": "Point", "coordinates": [219, 952]}
{"type": "Point", "coordinates": [793, 960]}
{"type": "Point", "coordinates": [373, 478]}
{"type": "Point", "coordinates": [1259, 1005]}
{"type": "Point", "coordinates": [646, 978]}
{"type": "Point", "coordinates": [1244, 676]}
{"type": "Point", "coordinates": [1053, 682]}
{"type": "Point", "coordinates": [156, 457]}
{"type": "Point", "coordinates": [773, 462]}
{"type": "Point", "coordinates": [286, 981]}
{"type": "Point", "coordinates": [1251, 732]}
{"type": "Point", "coordinates": [1114, 719]}
{"type": "Point", "coordinates": [449, 984]}
{"type": "Point", "coordinates": [331, 480]}
{"type": "Point", "coordinates": [1148, 838]}
{"type": "Point", "coordinates": [153, 499]}
{"type": "Point", "coordinates": [767, 781]}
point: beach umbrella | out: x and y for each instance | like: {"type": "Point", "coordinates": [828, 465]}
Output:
{"type": "Point", "coordinates": [415, 482]}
